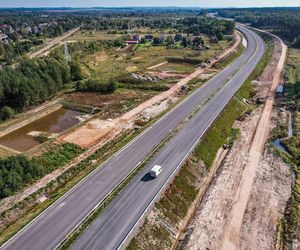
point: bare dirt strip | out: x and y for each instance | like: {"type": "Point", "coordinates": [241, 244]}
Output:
{"type": "Point", "coordinates": [234, 224]}
{"type": "Point", "coordinates": [243, 205]}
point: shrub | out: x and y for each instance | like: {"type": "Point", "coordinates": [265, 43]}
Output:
{"type": "Point", "coordinates": [96, 86]}
{"type": "Point", "coordinates": [6, 112]}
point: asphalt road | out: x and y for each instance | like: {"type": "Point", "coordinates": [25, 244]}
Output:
{"type": "Point", "coordinates": [50, 228]}
{"type": "Point", "coordinates": [119, 219]}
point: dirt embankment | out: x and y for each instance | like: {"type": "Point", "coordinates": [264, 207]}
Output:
{"type": "Point", "coordinates": [244, 204]}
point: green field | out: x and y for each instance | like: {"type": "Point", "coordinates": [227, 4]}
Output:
{"type": "Point", "coordinates": [108, 63]}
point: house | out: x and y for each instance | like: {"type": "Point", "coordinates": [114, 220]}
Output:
{"type": "Point", "coordinates": [149, 37]}
{"type": "Point", "coordinates": [178, 37]}
{"type": "Point", "coordinates": [162, 38]}
{"type": "Point", "coordinates": [28, 29]}
{"type": "Point", "coordinates": [3, 36]}
{"type": "Point", "coordinates": [128, 42]}
{"type": "Point", "coordinates": [41, 25]}
{"type": "Point", "coordinates": [3, 26]}
{"type": "Point", "coordinates": [137, 38]}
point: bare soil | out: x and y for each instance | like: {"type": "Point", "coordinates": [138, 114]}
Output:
{"type": "Point", "coordinates": [244, 204]}
{"type": "Point", "coordinates": [166, 74]}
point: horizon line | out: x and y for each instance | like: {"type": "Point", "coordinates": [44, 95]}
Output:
{"type": "Point", "coordinates": [136, 6]}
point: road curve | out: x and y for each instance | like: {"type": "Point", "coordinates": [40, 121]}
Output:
{"type": "Point", "coordinates": [112, 228]}
{"type": "Point", "coordinates": [51, 227]}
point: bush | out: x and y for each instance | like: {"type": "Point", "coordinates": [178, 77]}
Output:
{"type": "Point", "coordinates": [6, 112]}
{"type": "Point", "coordinates": [296, 43]}
{"type": "Point", "coordinates": [19, 171]}
{"type": "Point", "coordinates": [75, 71]}
{"type": "Point", "coordinates": [96, 86]}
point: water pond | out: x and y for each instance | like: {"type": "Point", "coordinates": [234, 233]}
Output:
{"type": "Point", "coordinates": [55, 122]}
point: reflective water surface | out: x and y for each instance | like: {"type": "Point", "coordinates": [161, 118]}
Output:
{"type": "Point", "coordinates": [56, 122]}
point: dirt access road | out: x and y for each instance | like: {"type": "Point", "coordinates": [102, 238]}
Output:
{"type": "Point", "coordinates": [233, 227]}
{"type": "Point", "coordinates": [242, 206]}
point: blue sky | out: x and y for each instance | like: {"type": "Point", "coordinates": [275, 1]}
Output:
{"type": "Point", "coordinates": [116, 3]}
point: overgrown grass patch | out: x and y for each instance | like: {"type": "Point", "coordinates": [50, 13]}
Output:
{"type": "Point", "coordinates": [289, 227]}
{"type": "Point", "coordinates": [230, 58]}
{"type": "Point", "coordinates": [219, 132]}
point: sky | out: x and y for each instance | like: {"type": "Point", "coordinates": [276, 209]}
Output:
{"type": "Point", "coordinates": [149, 3]}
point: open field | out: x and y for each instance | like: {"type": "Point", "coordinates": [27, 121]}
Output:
{"type": "Point", "coordinates": [293, 66]}
{"type": "Point", "coordinates": [74, 169]}
{"type": "Point", "coordinates": [86, 35]}
{"type": "Point", "coordinates": [103, 64]}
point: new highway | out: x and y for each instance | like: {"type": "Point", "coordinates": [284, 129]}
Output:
{"type": "Point", "coordinates": [113, 226]}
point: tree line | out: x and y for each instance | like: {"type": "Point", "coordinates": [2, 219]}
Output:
{"type": "Point", "coordinates": [284, 22]}
{"type": "Point", "coordinates": [19, 171]}
{"type": "Point", "coordinates": [31, 83]}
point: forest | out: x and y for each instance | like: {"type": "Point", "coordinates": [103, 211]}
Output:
{"type": "Point", "coordinates": [31, 83]}
{"type": "Point", "coordinates": [18, 171]}
{"type": "Point", "coordinates": [284, 22]}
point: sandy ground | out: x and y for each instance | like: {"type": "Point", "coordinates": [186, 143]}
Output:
{"type": "Point", "coordinates": [243, 205]}
{"type": "Point", "coordinates": [233, 227]}
{"type": "Point", "coordinates": [88, 134]}
{"type": "Point", "coordinates": [158, 65]}
{"type": "Point", "coordinates": [270, 191]}
{"type": "Point", "coordinates": [210, 219]}
{"type": "Point", "coordinates": [166, 74]}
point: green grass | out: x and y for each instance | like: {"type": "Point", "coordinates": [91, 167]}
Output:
{"type": "Point", "coordinates": [219, 132]}
{"type": "Point", "coordinates": [108, 63]}
{"type": "Point", "coordinates": [289, 227]}
{"type": "Point", "coordinates": [229, 59]}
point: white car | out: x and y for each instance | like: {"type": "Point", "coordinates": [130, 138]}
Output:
{"type": "Point", "coordinates": [155, 171]}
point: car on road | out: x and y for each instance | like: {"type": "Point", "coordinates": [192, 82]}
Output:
{"type": "Point", "coordinates": [155, 171]}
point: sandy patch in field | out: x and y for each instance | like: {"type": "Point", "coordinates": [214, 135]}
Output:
{"type": "Point", "coordinates": [131, 68]}
{"type": "Point", "coordinates": [166, 74]}
{"type": "Point", "coordinates": [96, 130]}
